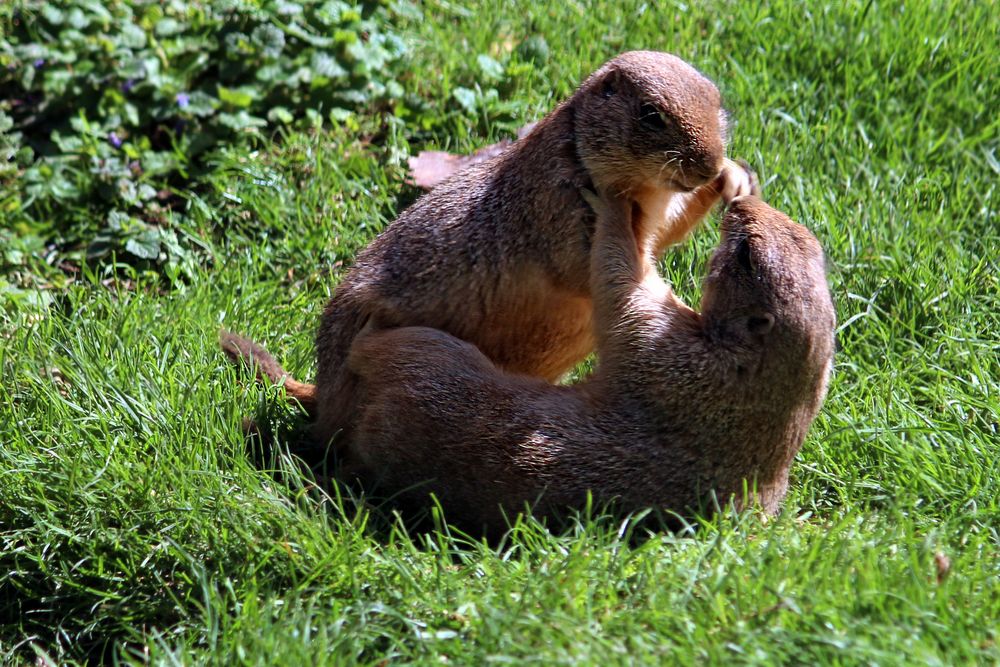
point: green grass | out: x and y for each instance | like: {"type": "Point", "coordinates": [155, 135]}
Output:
{"type": "Point", "coordinates": [134, 525]}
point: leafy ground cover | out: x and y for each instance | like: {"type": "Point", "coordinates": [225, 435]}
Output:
{"type": "Point", "coordinates": [112, 113]}
{"type": "Point", "coordinates": [134, 525]}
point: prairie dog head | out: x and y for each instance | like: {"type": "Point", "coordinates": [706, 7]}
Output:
{"type": "Point", "coordinates": [648, 119]}
{"type": "Point", "coordinates": [766, 292]}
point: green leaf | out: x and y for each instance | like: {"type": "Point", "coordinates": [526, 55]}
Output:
{"type": "Point", "coordinates": [367, 57]}
{"type": "Point", "coordinates": [313, 119]}
{"type": "Point", "coordinates": [489, 68]}
{"type": "Point", "coordinates": [145, 245]}
{"type": "Point", "coordinates": [52, 15]}
{"type": "Point", "coordinates": [271, 75]}
{"type": "Point", "coordinates": [238, 45]}
{"type": "Point", "coordinates": [154, 163]}
{"type": "Point", "coordinates": [339, 115]}
{"type": "Point", "coordinates": [325, 65]}
{"type": "Point", "coordinates": [146, 192]}
{"type": "Point", "coordinates": [80, 124]}
{"type": "Point", "coordinates": [118, 221]}
{"type": "Point", "coordinates": [285, 8]}
{"type": "Point", "coordinates": [280, 115]}
{"type": "Point", "coordinates": [132, 36]}
{"type": "Point", "coordinates": [269, 40]}
{"type": "Point", "coordinates": [331, 13]}
{"type": "Point", "coordinates": [167, 27]}
{"type": "Point", "coordinates": [78, 19]}
{"type": "Point", "coordinates": [131, 113]}
{"type": "Point", "coordinates": [151, 71]}
{"type": "Point", "coordinates": [238, 97]}
{"type": "Point", "coordinates": [309, 37]}
{"type": "Point", "coordinates": [62, 188]}
{"type": "Point", "coordinates": [201, 104]}
{"type": "Point", "coordinates": [534, 49]}
{"type": "Point", "coordinates": [466, 98]}
{"type": "Point", "coordinates": [96, 7]}
{"type": "Point", "coordinates": [57, 82]}
{"type": "Point", "coordinates": [356, 97]}
{"type": "Point", "coordinates": [67, 143]}
{"type": "Point", "coordinates": [241, 121]}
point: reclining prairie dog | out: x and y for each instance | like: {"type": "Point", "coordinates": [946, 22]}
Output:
{"type": "Point", "coordinates": [499, 254]}
{"type": "Point", "coordinates": [682, 410]}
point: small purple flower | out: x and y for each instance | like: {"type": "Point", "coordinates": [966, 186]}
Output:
{"type": "Point", "coordinates": [38, 63]}
{"type": "Point", "coordinates": [183, 100]}
{"type": "Point", "coordinates": [128, 85]}
{"type": "Point", "coordinates": [114, 140]}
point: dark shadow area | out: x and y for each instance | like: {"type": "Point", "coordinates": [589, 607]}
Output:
{"type": "Point", "coordinates": [272, 437]}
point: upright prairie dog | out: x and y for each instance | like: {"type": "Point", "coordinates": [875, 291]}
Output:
{"type": "Point", "coordinates": [499, 255]}
{"type": "Point", "coordinates": [683, 410]}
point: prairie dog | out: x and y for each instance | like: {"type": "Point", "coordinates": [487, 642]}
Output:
{"type": "Point", "coordinates": [683, 410]}
{"type": "Point", "coordinates": [499, 255]}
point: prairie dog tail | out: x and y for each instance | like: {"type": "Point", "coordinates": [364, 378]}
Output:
{"type": "Point", "coordinates": [255, 357]}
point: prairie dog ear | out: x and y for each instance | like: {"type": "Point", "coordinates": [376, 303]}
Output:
{"type": "Point", "coordinates": [744, 256]}
{"type": "Point", "coordinates": [760, 324]}
{"type": "Point", "coordinates": [610, 85]}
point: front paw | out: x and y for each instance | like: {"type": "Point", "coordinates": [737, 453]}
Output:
{"type": "Point", "coordinates": [736, 179]}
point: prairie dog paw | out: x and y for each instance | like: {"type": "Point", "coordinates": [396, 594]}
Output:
{"type": "Point", "coordinates": [736, 179]}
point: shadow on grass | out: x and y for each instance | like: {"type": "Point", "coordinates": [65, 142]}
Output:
{"type": "Point", "coordinates": [284, 446]}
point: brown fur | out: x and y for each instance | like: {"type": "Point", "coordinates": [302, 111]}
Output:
{"type": "Point", "coordinates": [499, 254]}
{"type": "Point", "coordinates": [684, 409]}
{"type": "Point", "coordinates": [240, 350]}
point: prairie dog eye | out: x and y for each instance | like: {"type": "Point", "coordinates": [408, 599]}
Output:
{"type": "Point", "coordinates": [653, 118]}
